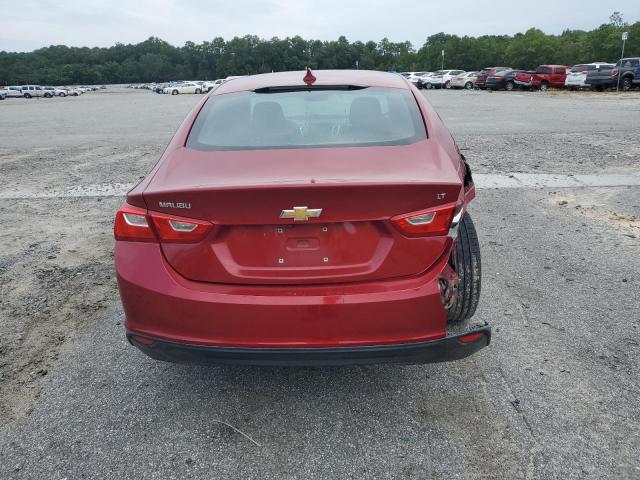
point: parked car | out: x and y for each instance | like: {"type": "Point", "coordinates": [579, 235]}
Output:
{"type": "Point", "coordinates": [423, 79]}
{"type": "Point", "coordinates": [185, 87]}
{"type": "Point", "coordinates": [502, 80]}
{"type": "Point", "coordinates": [208, 86]}
{"type": "Point", "coordinates": [3, 94]}
{"type": "Point", "coordinates": [628, 69]}
{"type": "Point", "coordinates": [465, 80]}
{"type": "Point", "coordinates": [159, 87]}
{"type": "Point", "coordinates": [441, 78]}
{"type": "Point", "coordinates": [14, 91]}
{"type": "Point", "coordinates": [29, 91]}
{"type": "Point", "coordinates": [228, 252]}
{"type": "Point", "coordinates": [544, 77]}
{"type": "Point", "coordinates": [577, 76]}
{"type": "Point", "coordinates": [414, 76]}
{"type": "Point", "coordinates": [481, 79]}
{"type": "Point", "coordinates": [55, 91]}
{"type": "Point", "coordinates": [74, 91]}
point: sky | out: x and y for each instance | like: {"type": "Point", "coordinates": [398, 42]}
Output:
{"type": "Point", "coordinates": [31, 24]}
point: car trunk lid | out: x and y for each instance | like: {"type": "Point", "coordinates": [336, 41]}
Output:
{"type": "Point", "coordinates": [354, 191]}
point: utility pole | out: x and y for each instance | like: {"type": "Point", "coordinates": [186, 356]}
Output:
{"type": "Point", "coordinates": [442, 68]}
{"type": "Point", "coordinates": [625, 35]}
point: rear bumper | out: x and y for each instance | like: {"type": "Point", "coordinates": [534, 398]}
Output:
{"type": "Point", "coordinates": [446, 349]}
{"type": "Point", "coordinates": [160, 304]}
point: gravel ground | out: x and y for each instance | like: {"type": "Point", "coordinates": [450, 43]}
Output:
{"type": "Point", "coordinates": [554, 396]}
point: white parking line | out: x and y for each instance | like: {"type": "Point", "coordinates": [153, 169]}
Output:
{"type": "Point", "coordinates": [482, 180]}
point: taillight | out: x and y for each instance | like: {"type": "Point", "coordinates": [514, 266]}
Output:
{"type": "Point", "coordinates": [132, 224]}
{"type": "Point", "coordinates": [614, 72]}
{"type": "Point", "coordinates": [431, 222]}
{"type": "Point", "coordinates": [137, 224]}
{"type": "Point", "coordinates": [177, 229]}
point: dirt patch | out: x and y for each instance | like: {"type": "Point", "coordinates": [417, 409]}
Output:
{"type": "Point", "coordinates": [55, 275]}
{"type": "Point", "coordinates": [601, 205]}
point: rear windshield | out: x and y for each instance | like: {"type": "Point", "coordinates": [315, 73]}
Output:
{"type": "Point", "coordinates": [308, 118]}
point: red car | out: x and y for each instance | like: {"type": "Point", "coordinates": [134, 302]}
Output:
{"type": "Point", "coordinates": [294, 219]}
{"type": "Point", "coordinates": [545, 77]}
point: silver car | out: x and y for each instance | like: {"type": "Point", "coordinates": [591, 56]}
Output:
{"type": "Point", "coordinates": [578, 74]}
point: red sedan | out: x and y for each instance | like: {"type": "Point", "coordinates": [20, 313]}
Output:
{"type": "Point", "coordinates": [317, 219]}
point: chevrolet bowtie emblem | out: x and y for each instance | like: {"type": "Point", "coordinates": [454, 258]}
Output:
{"type": "Point", "coordinates": [301, 213]}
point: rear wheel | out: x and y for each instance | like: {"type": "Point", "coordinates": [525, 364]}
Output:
{"type": "Point", "coordinates": [175, 92]}
{"type": "Point", "coordinates": [198, 90]}
{"type": "Point", "coordinates": [27, 95]}
{"type": "Point", "coordinates": [465, 260]}
{"type": "Point", "coordinates": [47, 95]}
{"type": "Point", "coordinates": [544, 86]}
{"type": "Point", "coordinates": [626, 84]}
{"type": "Point", "coordinates": [447, 84]}
{"type": "Point", "coordinates": [509, 86]}
{"type": "Point", "coordinates": [468, 85]}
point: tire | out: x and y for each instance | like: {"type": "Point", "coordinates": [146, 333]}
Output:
{"type": "Point", "coordinates": [47, 95]}
{"type": "Point", "coordinates": [544, 86]}
{"type": "Point", "coordinates": [465, 260]}
{"type": "Point", "coordinates": [468, 86]}
{"type": "Point", "coordinates": [626, 83]}
{"type": "Point", "coordinates": [198, 90]}
{"type": "Point", "coordinates": [209, 89]}
{"type": "Point", "coordinates": [428, 86]}
{"type": "Point", "coordinates": [63, 94]}
{"type": "Point", "coordinates": [174, 92]}
{"type": "Point", "coordinates": [447, 84]}
{"type": "Point", "coordinates": [27, 95]}
{"type": "Point", "coordinates": [509, 86]}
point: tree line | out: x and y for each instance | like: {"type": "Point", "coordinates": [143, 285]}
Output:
{"type": "Point", "coordinates": [155, 60]}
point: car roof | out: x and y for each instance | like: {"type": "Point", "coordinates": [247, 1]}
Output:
{"type": "Point", "coordinates": [369, 78]}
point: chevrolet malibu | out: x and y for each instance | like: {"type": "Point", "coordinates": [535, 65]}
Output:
{"type": "Point", "coordinates": [304, 219]}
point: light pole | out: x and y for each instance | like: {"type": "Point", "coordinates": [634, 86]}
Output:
{"type": "Point", "coordinates": [625, 35]}
{"type": "Point", "coordinates": [442, 68]}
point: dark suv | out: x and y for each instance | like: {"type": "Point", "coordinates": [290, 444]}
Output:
{"type": "Point", "coordinates": [627, 69]}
